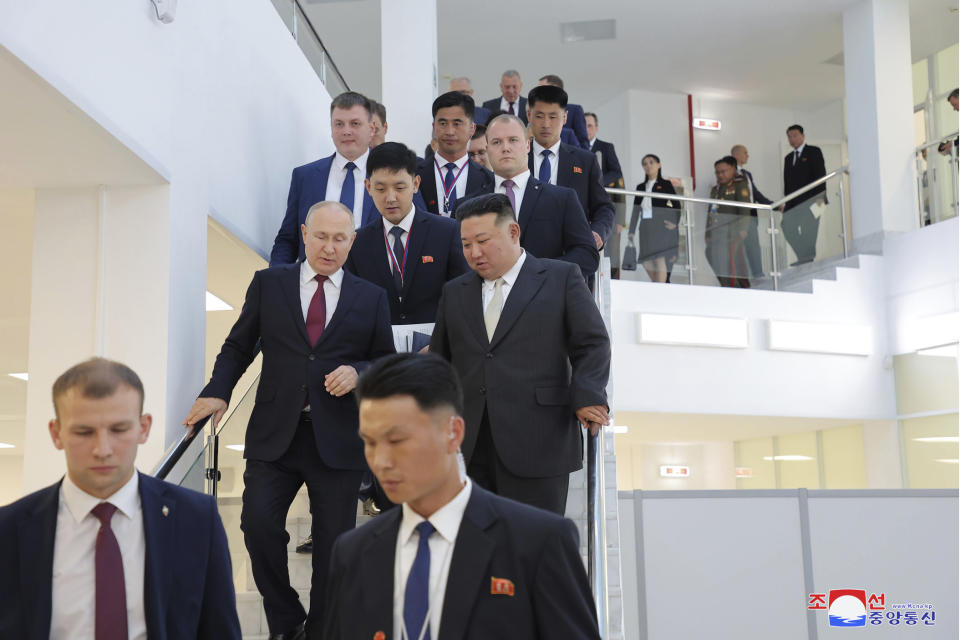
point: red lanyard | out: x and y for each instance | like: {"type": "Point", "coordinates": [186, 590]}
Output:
{"type": "Point", "coordinates": [393, 258]}
{"type": "Point", "coordinates": [453, 185]}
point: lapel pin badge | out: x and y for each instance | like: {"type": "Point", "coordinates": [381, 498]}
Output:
{"type": "Point", "coordinates": [427, 259]}
{"type": "Point", "coordinates": [165, 510]}
{"type": "Point", "coordinates": [379, 635]}
{"type": "Point", "coordinates": [501, 586]}
{"type": "Point", "coordinates": [577, 170]}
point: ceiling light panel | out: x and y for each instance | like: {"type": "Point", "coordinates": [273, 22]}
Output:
{"type": "Point", "coordinates": [588, 30]}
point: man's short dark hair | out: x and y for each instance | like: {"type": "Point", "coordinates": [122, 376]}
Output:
{"type": "Point", "coordinates": [378, 110]}
{"type": "Point", "coordinates": [350, 99]}
{"type": "Point", "coordinates": [730, 160]}
{"type": "Point", "coordinates": [96, 378]}
{"type": "Point", "coordinates": [547, 93]}
{"type": "Point", "coordinates": [426, 377]}
{"type": "Point", "coordinates": [480, 132]}
{"type": "Point", "coordinates": [795, 127]}
{"type": "Point", "coordinates": [392, 156]}
{"type": "Point", "coordinates": [454, 99]}
{"type": "Point", "coordinates": [591, 114]}
{"type": "Point", "coordinates": [497, 203]}
{"type": "Point", "coordinates": [552, 80]}
{"type": "Point", "coordinates": [954, 95]}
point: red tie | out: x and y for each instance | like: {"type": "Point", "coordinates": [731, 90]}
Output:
{"type": "Point", "coordinates": [111, 594]}
{"type": "Point", "coordinates": [512, 112]}
{"type": "Point", "coordinates": [317, 311]}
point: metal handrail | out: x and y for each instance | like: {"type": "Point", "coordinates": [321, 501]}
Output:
{"type": "Point", "coordinates": [326, 51]}
{"type": "Point", "coordinates": [938, 142]}
{"type": "Point", "coordinates": [176, 450]}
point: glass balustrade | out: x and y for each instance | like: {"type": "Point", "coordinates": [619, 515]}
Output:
{"type": "Point", "coordinates": [310, 43]}
{"type": "Point", "coordinates": [937, 180]}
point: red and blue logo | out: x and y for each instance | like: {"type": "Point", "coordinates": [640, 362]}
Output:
{"type": "Point", "coordinates": [847, 608]}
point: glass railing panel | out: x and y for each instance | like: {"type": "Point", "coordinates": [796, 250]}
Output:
{"type": "Point", "coordinates": [286, 9]}
{"type": "Point", "coordinates": [937, 183]}
{"type": "Point", "coordinates": [317, 55]}
{"type": "Point", "coordinates": [811, 228]}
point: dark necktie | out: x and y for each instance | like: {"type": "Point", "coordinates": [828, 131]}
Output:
{"type": "Point", "coordinates": [545, 166]}
{"type": "Point", "coordinates": [796, 156]}
{"type": "Point", "coordinates": [511, 111]}
{"type": "Point", "coordinates": [396, 232]}
{"type": "Point", "coordinates": [111, 593]}
{"type": "Point", "coordinates": [416, 599]}
{"type": "Point", "coordinates": [346, 193]}
{"type": "Point", "coordinates": [448, 182]}
{"type": "Point", "coordinates": [317, 311]}
{"type": "Point", "coordinates": [509, 185]}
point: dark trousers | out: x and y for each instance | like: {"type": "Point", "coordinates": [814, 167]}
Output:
{"type": "Point", "coordinates": [752, 246]}
{"type": "Point", "coordinates": [800, 228]}
{"type": "Point", "coordinates": [269, 490]}
{"type": "Point", "coordinates": [486, 469]}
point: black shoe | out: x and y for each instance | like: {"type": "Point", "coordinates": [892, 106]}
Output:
{"type": "Point", "coordinates": [305, 547]}
{"type": "Point", "coordinates": [799, 262]}
{"type": "Point", "coordinates": [297, 633]}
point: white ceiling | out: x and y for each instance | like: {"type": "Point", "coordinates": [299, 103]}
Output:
{"type": "Point", "coordinates": [766, 52]}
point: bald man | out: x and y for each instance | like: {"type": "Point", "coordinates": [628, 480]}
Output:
{"type": "Point", "coordinates": [481, 115]}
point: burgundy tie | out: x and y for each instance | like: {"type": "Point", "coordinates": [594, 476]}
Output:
{"type": "Point", "coordinates": [317, 311]}
{"type": "Point", "coordinates": [111, 598]}
{"type": "Point", "coordinates": [512, 112]}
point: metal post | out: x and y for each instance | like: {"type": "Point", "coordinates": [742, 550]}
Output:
{"type": "Point", "coordinates": [688, 222]}
{"type": "Point", "coordinates": [918, 156]}
{"type": "Point", "coordinates": [323, 67]}
{"type": "Point", "coordinates": [596, 529]}
{"type": "Point", "coordinates": [953, 173]}
{"type": "Point", "coordinates": [293, 6]}
{"type": "Point", "coordinates": [774, 272]}
{"type": "Point", "coordinates": [843, 220]}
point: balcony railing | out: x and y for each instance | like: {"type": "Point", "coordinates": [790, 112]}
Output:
{"type": "Point", "coordinates": [312, 46]}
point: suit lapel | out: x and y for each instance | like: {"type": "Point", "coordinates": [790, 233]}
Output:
{"type": "Point", "coordinates": [526, 286]}
{"type": "Point", "coordinates": [369, 211]}
{"type": "Point", "coordinates": [159, 513]}
{"type": "Point", "coordinates": [564, 167]}
{"type": "Point", "coordinates": [530, 196]}
{"type": "Point", "coordinates": [470, 562]}
{"type": "Point", "coordinates": [36, 536]}
{"type": "Point", "coordinates": [376, 568]}
{"type": "Point", "coordinates": [415, 241]}
{"type": "Point", "coordinates": [290, 283]}
{"type": "Point", "coordinates": [428, 186]}
{"type": "Point", "coordinates": [476, 180]}
{"type": "Point", "coordinates": [344, 303]}
{"type": "Point", "coordinates": [323, 169]}
{"type": "Point", "coordinates": [472, 305]}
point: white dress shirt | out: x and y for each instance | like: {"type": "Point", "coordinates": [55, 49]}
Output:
{"type": "Point", "coordinates": [73, 608]}
{"type": "Point", "coordinates": [590, 142]}
{"type": "Point", "coordinates": [308, 287]}
{"type": "Point", "coordinates": [338, 173]}
{"type": "Point", "coordinates": [459, 187]}
{"type": "Point", "coordinates": [446, 520]}
{"type": "Point", "coordinates": [508, 279]}
{"type": "Point", "coordinates": [554, 160]}
{"type": "Point", "coordinates": [404, 224]}
{"type": "Point", "coordinates": [505, 106]}
{"type": "Point", "coordinates": [646, 205]}
{"type": "Point", "coordinates": [519, 186]}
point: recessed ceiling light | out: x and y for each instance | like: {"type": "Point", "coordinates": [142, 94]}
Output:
{"type": "Point", "coordinates": [235, 447]}
{"type": "Point", "coordinates": [4, 445]}
{"type": "Point", "coordinates": [938, 439]}
{"type": "Point", "coordinates": [20, 376]}
{"type": "Point", "coordinates": [216, 304]}
{"type": "Point", "coordinates": [588, 30]}
{"type": "Point", "coordinates": [817, 337]}
{"type": "Point", "coordinates": [694, 331]}
{"type": "Point", "coordinates": [788, 458]}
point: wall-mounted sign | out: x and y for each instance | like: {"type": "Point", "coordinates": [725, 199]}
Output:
{"type": "Point", "coordinates": [744, 472]}
{"type": "Point", "coordinates": [674, 471]}
{"type": "Point", "coordinates": [706, 123]}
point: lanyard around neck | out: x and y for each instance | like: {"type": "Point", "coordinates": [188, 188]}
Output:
{"type": "Point", "coordinates": [443, 185]}
{"type": "Point", "coordinates": [393, 258]}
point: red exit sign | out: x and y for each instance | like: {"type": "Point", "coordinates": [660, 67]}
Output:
{"type": "Point", "coordinates": [706, 123]}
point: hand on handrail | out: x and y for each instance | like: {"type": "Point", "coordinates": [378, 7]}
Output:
{"type": "Point", "coordinates": [593, 418]}
{"type": "Point", "coordinates": [202, 408]}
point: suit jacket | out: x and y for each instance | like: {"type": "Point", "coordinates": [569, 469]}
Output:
{"type": "Point", "coordinates": [552, 225]}
{"type": "Point", "coordinates": [610, 164]}
{"type": "Point", "coordinates": [550, 355]}
{"type": "Point", "coordinates": [755, 192]}
{"type": "Point", "coordinates": [293, 369]}
{"type": "Point", "coordinates": [662, 209]}
{"type": "Point", "coordinates": [578, 169]}
{"type": "Point", "coordinates": [308, 186]}
{"type": "Point", "coordinates": [809, 167]}
{"type": "Point", "coordinates": [188, 582]}
{"type": "Point", "coordinates": [493, 106]}
{"type": "Point", "coordinates": [536, 550]}
{"type": "Point", "coordinates": [567, 136]}
{"type": "Point", "coordinates": [577, 123]}
{"type": "Point", "coordinates": [479, 179]}
{"type": "Point", "coordinates": [481, 115]}
{"type": "Point", "coordinates": [434, 256]}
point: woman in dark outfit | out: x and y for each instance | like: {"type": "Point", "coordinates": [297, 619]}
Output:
{"type": "Point", "coordinates": [659, 238]}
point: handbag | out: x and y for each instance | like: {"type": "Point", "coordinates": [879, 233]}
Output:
{"type": "Point", "coordinates": [629, 262]}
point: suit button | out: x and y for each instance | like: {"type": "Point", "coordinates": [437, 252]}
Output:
{"type": "Point", "coordinates": [483, 389]}
{"type": "Point", "coordinates": [303, 387]}
{"type": "Point", "coordinates": [311, 357]}
{"type": "Point", "coordinates": [489, 356]}
{"type": "Point", "coordinates": [403, 316]}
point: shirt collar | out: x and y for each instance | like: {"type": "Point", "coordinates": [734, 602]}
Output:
{"type": "Point", "coordinates": [126, 499]}
{"type": "Point", "coordinates": [511, 275]}
{"type": "Point", "coordinates": [520, 180]}
{"type": "Point", "coordinates": [537, 149]}
{"type": "Point", "coordinates": [340, 163]}
{"type": "Point", "coordinates": [307, 274]}
{"type": "Point", "coordinates": [591, 141]}
{"type": "Point", "coordinates": [404, 224]}
{"type": "Point", "coordinates": [800, 148]}
{"type": "Point", "coordinates": [446, 520]}
{"type": "Point", "coordinates": [462, 160]}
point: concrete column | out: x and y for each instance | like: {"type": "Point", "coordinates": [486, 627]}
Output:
{"type": "Point", "coordinates": [408, 51]}
{"type": "Point", "coordinates": [879, 101]}
{"type": "Point", "coordinates": [101, 285]}
{"type": "Point", "coordinates": [881, 454]}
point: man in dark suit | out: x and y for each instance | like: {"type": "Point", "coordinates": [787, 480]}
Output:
{"type": "Point", "coordinates": [408, 252]}
{"type": "Point", "coordinates": [552, 223]}
{"type": "Point", "coordinates": [801, 167]}
{"type": "Point", "coordinates": [532, 351]}
{"type": "Point", "coordinates": [612, 177]}
{"type": "Point", "coordinates": [338, 177]}
{"type": "Point", "coordinates": [378, 116]}
{"type": "Point", "coordinates": [477, 147]}
{"type": "Point", "coordinates": [513, 571]}
{"type": "Point", "coordinates": [752, 242]}
{"type": "Point", "coordinates": [567, 166]}
{"type": "Point", "coordinates": [450, 175]}
{"type": "Point", "coordinates": [576, 119]}
{"type": "Point", "coordinates": [319, 327]}
{"type": "Point", "coordinates": [108, 552]}
{"type": "Point", "coordinates": [510, 100]}
{"type": "Point", "coordinates": [462, 84]}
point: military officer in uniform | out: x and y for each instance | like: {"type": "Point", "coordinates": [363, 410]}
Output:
{"type": "Point", "coordinates": [728, 226]}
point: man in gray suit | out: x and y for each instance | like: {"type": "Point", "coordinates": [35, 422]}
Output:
{"type": "Point", "coordinates": [530, 346]}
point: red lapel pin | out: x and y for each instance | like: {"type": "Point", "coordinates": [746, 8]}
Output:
{"type": "Point", "coordinates": [501, 586]}
{"type": "Point", "coordinates": [426, 259]}
{"type": "Point", "coordinates": [577, 170]}
{"type": "Point", "coordinates": [379, 635]}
